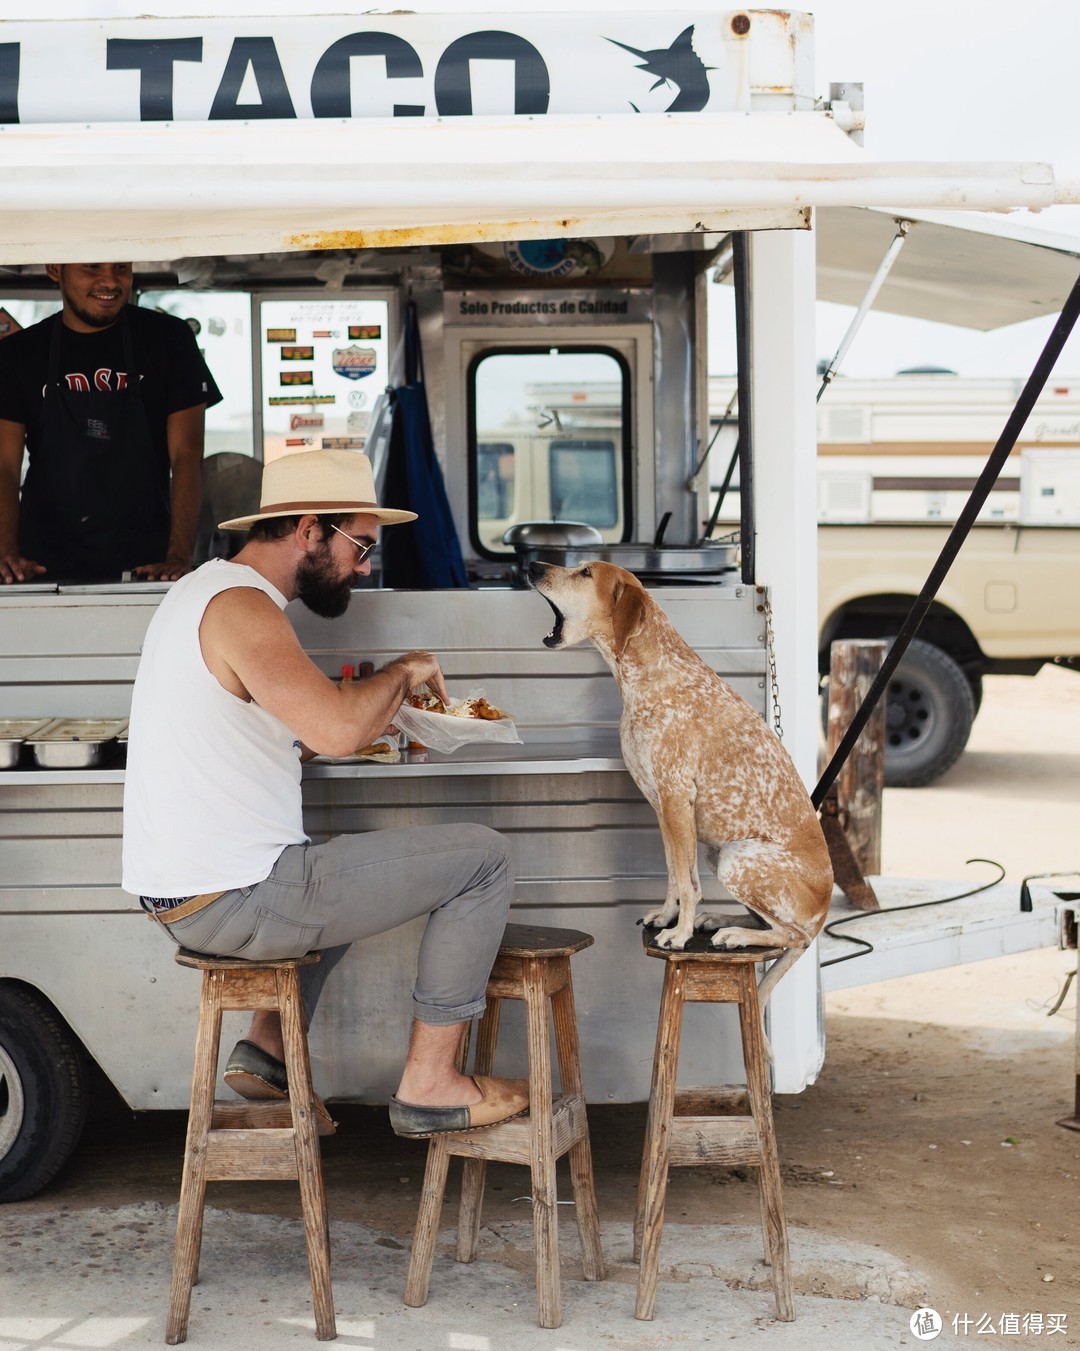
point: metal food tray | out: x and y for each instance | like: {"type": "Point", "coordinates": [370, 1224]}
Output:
{"type": "Point", "coordinates": [13, 732]}
{"type": "Point", "coordinates": [75, 743]}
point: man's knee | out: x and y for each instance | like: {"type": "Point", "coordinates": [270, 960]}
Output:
{"type": "Point", "coordinates": [490, 847]}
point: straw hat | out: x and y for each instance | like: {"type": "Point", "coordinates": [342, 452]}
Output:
{"type": "Point", "coordinates": [320, 481]}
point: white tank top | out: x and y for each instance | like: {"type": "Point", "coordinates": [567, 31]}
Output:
{"type": "Point", "coordinates": [212, 794]}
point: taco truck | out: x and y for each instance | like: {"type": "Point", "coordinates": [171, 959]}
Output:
{"type": "Point", "coordinates": [542, 203]}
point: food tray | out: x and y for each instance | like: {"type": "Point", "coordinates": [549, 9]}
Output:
{"type": "Point", "coordinates": [446, 733]}
{"type": "Point", "coordinates": [13, 732]}
{"type": "Point", "coordinates": [75, 743]}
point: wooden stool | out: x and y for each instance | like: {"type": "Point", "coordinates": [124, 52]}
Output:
{"type": "Point", "coordinates": [250, 1140]}
{"type": "Point", "coordinates": [533, 965]}
{"type": "Point", "coordinates": [731, 1128]}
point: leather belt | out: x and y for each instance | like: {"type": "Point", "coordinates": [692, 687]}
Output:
{"type": "Point", "coordinates": [191, 906]}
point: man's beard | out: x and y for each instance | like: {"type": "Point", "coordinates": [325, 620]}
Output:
{"type": "Point", "coordinates": [88, 317]}
{"type": "Point", "coordinates": [320, 589]}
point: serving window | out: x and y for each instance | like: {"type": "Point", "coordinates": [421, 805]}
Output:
{"type": "Point", "coordinates": [549, 440]}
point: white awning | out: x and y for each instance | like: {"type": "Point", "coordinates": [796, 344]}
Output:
{"type": "Point", "coordinates": [166, 190]}
{"type": "Point", "coordinates": [958, 268]}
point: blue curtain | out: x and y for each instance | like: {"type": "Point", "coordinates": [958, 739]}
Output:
{"type": "Point", "coordinates": [425, 554]}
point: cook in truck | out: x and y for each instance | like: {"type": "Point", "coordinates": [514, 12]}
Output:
{"type": "Point", "coordinates": [225, 705]}
{"type": "Point", "coordinates": [109, 401]}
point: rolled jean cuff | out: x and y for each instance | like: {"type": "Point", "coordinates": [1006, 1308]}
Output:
{"type": "Point", "coordinates": [437, 1017]}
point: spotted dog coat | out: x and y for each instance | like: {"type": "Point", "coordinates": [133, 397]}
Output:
{"type": "Point", "coordinates": [707, 764]}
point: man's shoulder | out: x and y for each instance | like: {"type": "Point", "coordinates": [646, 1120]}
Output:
{"type": "Point", "coordinates": [156, 323]}
{"type": "Point", "coordinates": [27, 343]}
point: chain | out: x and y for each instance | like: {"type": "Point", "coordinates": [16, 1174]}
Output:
{"type": "Point", "coordinates": [770, 652]}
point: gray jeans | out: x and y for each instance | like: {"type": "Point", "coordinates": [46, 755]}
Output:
{"type": "Point", "coordinates": [326, 896]}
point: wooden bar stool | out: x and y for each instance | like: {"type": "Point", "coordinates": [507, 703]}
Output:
{"type": "Point", "coordinates": [250, 1140]}
{"type": "Point", "coordinates": [732, 1128]}
{"type": "Point", "coordinates": [533, 965]}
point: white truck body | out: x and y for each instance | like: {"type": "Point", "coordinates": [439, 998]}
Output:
{"type": "Point", "coordinates": [246, 156]}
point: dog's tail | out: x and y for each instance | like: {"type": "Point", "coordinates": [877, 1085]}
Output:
{"type": "Point", "coordinates": [769, 982]}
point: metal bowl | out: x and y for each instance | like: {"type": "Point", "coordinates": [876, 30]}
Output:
{"type": "Point", "coordinates": [532, 533]}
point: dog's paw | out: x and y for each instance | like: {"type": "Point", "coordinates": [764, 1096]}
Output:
{"type": "Point", "coordinates": [658, 919]}
{"type": "Point", "coordinates": [726, 939]}
{"type": "Point", "coordinates": [706, 923]}
{"type": "Point", "coordinates": [672, 938]}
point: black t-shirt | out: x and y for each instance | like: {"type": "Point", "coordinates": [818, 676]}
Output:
{"type": "Point", "coordinates": [96, 495]}
{"type": "Point", "coordinates": [174, 375]}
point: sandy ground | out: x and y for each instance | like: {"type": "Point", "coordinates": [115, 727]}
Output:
{"type": "Point", "coordinates": [929, 1140]}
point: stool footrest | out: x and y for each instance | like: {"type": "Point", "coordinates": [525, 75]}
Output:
{"type": "Point", "coordinates": [729, 1141]}
{"type": "Point", "coordinates": [255, 1115]}
{"type": "Point", "coordinates": [712, 1102]}
{"type": "Point", "coordinates": [511, 1142]}
{"type": "Point", "coordinates": [262, 1155]}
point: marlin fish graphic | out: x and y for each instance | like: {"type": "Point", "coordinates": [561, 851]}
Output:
{"type": "Point", "coordinates": [680, 65]}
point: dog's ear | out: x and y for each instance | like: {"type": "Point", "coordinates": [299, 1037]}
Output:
{"type": "Point", "coordinates": [627, 614]}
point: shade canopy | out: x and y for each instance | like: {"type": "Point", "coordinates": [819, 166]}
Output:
{"type": "Point", "coordinates": [80, 193]}
{"type": "Point", "coordinates": [954, 267]}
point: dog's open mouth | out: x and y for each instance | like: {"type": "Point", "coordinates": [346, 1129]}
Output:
{"type": "Point", "coordinates": [554, 638]}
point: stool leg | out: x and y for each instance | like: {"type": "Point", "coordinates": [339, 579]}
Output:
{"type": "Point", "coordinates": [542, 1149]}
{"type": "Point", "coordinates": [308, 1160]}
{"type": "Point", "coordinates": [757, 1084]}
{"type": "Point", "coordinates": [427, 1223]}
{"type": "Point", "coordinates": [475, 1170]}
{"type": "Point", "coordinates": [649, 1221]}
{"type": "Point", "coordinates": [568, 1048]}
{"type": "Point", "coordinates": [189, 1218]}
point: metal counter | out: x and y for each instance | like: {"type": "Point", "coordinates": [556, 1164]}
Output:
{"type": "Point", "coordinates": [586, 846]}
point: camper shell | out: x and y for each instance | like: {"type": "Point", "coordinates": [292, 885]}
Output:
{"type": "Point", "coordinates": [518, 187]}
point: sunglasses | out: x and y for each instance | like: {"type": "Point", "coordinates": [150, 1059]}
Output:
{"type": "Point", "coordinates": [362, 550]}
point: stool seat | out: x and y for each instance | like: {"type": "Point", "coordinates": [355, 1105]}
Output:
{"type": "Point", "coordinates": [249, 1140]}
{"type": "Point", "coordinates": [728, 1127]}
{"type": "Point", "coordinates": [533, 966]}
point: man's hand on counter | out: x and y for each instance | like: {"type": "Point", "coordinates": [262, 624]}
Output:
{"type": "Point", "coordinates": [169, 571]}
{"type": "Point", "coordinates": [15, 568]}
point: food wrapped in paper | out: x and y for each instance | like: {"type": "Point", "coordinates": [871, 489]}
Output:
{"type": "Point", "coordinates": [384, 751]}
{"type": "Point", "coordinates": [463, 722]}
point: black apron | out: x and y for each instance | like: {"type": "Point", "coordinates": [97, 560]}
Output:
{"type": "Point", "coordinates": [96, 497]}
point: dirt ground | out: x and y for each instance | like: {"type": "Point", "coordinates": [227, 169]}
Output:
{"type": "Point", "coordinates": [931, 1131]}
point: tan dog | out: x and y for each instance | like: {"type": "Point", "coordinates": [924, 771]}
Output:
{"type": "Point", "coordinates": [708, 765]}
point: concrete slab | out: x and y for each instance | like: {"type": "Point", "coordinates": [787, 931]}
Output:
{"type": "Point", "coordinates": [99, 1278]}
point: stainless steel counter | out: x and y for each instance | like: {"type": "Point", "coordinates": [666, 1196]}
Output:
{"type": "Point", "coordinates": [586, 848]}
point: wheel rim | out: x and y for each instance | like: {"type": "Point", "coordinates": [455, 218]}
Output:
{"type": "Point", "coordinates": [12, 1104]}
{"type": "Point", "coordinates": [909, 716]}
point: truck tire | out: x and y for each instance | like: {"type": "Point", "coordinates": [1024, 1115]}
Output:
{"type": "Point", "coordinates": [928, 716]}
{"type": "Point", "coordinates": [42, 1098]}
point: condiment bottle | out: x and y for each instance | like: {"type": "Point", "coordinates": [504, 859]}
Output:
{"type": "Point", "coordinates": [346, 674]}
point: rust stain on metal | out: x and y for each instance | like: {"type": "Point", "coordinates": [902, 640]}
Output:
{"type": "Point", "coordinates": [740, 25]}
{"type": "Point", "coordinates": [426, 235]}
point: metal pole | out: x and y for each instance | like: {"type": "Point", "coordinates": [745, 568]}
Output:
{"type": "Point", "coordinates": [876, 283]}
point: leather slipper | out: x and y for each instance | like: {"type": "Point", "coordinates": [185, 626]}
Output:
{"type": "Point", "coordinates": [260, 1077]}
{"type": "Point", "coordinates": [502, 1100]}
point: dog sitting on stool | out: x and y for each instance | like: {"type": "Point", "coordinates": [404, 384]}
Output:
{"type": "Point", "coordinates": [709, 767]}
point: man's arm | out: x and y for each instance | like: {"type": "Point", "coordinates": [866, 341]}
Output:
{"type": "Point", "coordinates": [252, 650]}
{"type": "Point", "coordinates": [13, 567]}
{"type": "Point", "coordinates": [184, 433]}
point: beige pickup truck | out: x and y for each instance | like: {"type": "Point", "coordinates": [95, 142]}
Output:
{"type": "Point", "coordinates": [1009, 604]}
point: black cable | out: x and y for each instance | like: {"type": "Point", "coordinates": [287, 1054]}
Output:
{"type": "Point", "coordinates": [1025, 890]}
{"type": "Point", "coordinates": [865, 947]}
{"type": "Point", "coordinates": [1005, 443]}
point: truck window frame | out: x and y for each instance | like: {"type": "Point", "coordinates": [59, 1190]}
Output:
{"type": "Point", "coordinates": [625, 458]}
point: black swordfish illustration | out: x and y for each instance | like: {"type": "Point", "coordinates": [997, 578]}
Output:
{"type": "Point", "coordinates": [680, 65]}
